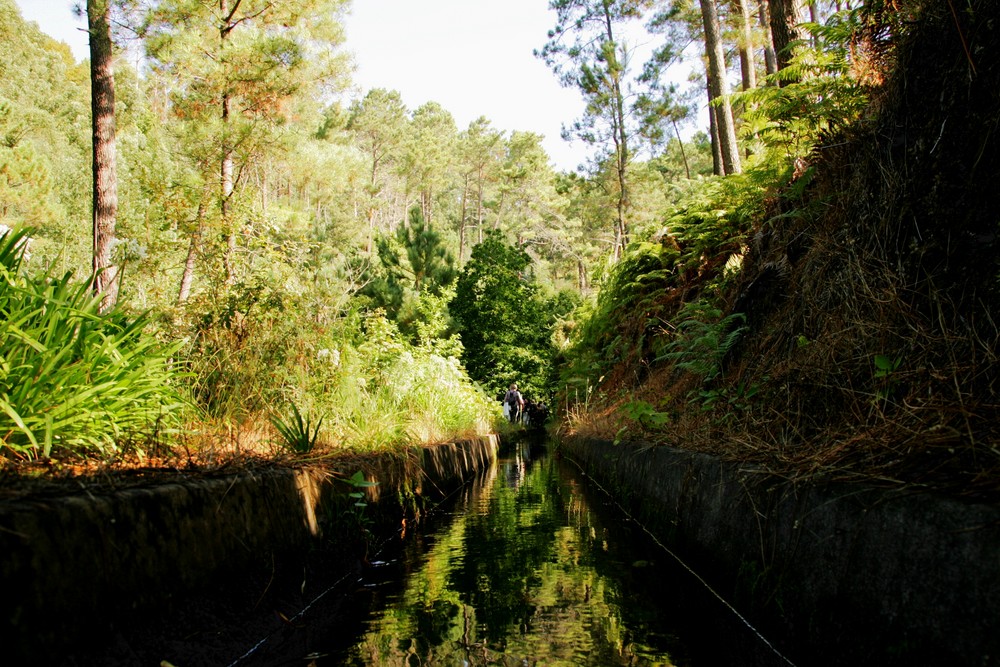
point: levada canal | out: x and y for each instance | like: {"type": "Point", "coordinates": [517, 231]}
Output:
{"type": "Point", "coordinates": [530, 565]}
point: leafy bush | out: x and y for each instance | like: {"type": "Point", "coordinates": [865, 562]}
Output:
{"type": "Point", "coordinates": [630, 303]}
{"type": "Point", "coordinates": [238, 347]}
{"type": "Point", "coordinates": [412, 281]}
{"type": "Point", "coordinates": [383, 393]}
{"type": "Point", "coordinates": [506, 327]}
{"type": "Point", "coordinates": [73, 380]}
{"type": "Point", "coordinates": [635, 315]}
{"type": "Point", "coordinates": [819, 91]}
{"type": "Point", "coordinates": [262, 347]}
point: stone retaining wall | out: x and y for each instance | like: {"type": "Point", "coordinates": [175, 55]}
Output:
{"type": "Point", "coordinates": [67, 564]}
{"type": "Point", "coordinates": [836, 574]}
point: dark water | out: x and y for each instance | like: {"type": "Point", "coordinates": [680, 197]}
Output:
{"type": "Point", "coordinates": [530, 566]}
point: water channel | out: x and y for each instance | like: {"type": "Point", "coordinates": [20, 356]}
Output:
{"type": "Point", "coordinates": [530, 565]}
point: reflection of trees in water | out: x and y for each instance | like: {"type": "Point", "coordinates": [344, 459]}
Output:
{"type": "Point", "coordinates": [505, 549]}
{"type": "Point", "coordinates": [519, 579]}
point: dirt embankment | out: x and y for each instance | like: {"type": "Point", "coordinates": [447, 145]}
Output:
{"type": "Point", "coordinates": [872, 297]}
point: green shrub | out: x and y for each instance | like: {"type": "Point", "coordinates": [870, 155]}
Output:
{"type": "Point", "coordinates": [506, 327]}
{"type": "Point", "coordinates": [642, 299]}
{"type": "Point", "coordinates": [73, 380]}
{"type": "Point", "coordinates": [704, 337]}
{"type": "Point", "coordinates": [386, 393]}
{"type": "Point", "coordinates": [298, 434]}
{"type": "Point", "coordinates": [237, 347]}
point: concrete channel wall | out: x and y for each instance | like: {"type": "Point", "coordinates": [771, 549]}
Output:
{"type": "Point", "coordinates": [68, 563]}
{"type": "Point", "coordinates": [835, 574]}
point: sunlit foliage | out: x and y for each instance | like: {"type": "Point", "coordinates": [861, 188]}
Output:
{"type": "Point", "coordinates": [74, 381]}
{"type": "Point", "coordinates": [505, 327]}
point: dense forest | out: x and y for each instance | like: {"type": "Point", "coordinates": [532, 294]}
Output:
{"type": "Point", "coordinates": [214, 250]}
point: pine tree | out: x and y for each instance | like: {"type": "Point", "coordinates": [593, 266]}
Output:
{"type": "Point", "coordinates": [236, 70]}
{"type": "Point", "coordinates": [718, 90]}
{"type": "Point", "coordinates": [596, 61]}
{"type": "Point", "coordinates": [105, 201]}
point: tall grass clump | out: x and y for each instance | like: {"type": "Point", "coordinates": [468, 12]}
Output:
{"type": "Point", "coordinates": [298, 433]}
{"type": "Point", "coordinates": [261, 354]}
{"type": "Point", "coordinates": [73, 380]}
{"type": "Point", "coordinates": [825, 88]}
{"type": "Point", "coordinates": [384, 393]}
{"type": "Point", "coordinates": [238, 345]}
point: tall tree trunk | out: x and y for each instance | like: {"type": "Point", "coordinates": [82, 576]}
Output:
{"type": "Point", "coordinates": [187, 277]}
{"type": "Point", "coordinates": [479, 204]}
{"type": "Point", "coordinates": [499, 216]}
{"type": "Point", "coordinates": [713, 133]}
{"type": "Point", "coordinates": [814, 17]}
{"type": "Point", "coordinates": [684, 157]}
{"type": "Point", "coordinates": [785, 17]}
{"type": "Point", "coordinates": [370, 213]}
{"type": "Point", "coordinates": [620, 137]}
{"type": "Point", "coordinates": [461, 223]}
{"type": "Point", "coordinates": [770, 58]}
{"type": "Point", "coordinates": [717, 86]}
{"type": "Point", "coordinates": [226, 183]}
{"type": "Point", "coordinates": [105, 180]}
{"type": "Point", "coordinates": [263, 191]}
{"type": "Point", "coordinates": [747, 68]}
{"type": "Point", "coordinates": [426, 201]}
{"type": "Point", "coordinates": [226, 170]}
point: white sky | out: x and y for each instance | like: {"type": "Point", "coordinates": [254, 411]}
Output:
{"type": "Point", "coordinates": [474, 57]}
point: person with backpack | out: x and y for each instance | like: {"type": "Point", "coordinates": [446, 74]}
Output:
{"type": "Point", "coordinates": [513, 403]}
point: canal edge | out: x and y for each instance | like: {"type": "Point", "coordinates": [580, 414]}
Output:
{"type": "Point", "coordinates": [819, 566]}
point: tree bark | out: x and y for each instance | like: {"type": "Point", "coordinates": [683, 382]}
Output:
{"type": "Point", "coordinates": [227, 169]}
{"type": "Point", "coordinates": [770, 58]}
{"type": "Point", "coordinates": [620, 140]}
{"type": "Point", "coordinates": [814, 17]}
{"type": "Point", "coordinates": [105, 180]}
{"type": "Point", "coordinates": [370, 212]}
{"type": "Point", "coordinates": [680, 142]}
{"type": "Point", "coordinates": [785, 17]}
{"type": "Point", "coordinates": [479, 202]}
{"type": "Point", "coordinates": [461, 223]}
{"type": "Point", "coordinates": [426, 204]}
{"type": "Point", "coordinates": [713, 133]}
{"type": "Point", "coordinates": [187, 277]}
{"type": "Point", "coordinates": [747, 68]}
{"type": "Point", "coordinates": [226, 184]}
{"type": "Point", "coordinates": [717, 89]}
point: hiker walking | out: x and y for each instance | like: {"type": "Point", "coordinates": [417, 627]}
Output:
{"type": "Point", "coordinates": [513, 403]}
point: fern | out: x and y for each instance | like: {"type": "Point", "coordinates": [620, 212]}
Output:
{"type": "Point", "coordinates": [704, 338]}
{"type": "Point", "coordinates": [784, 118]}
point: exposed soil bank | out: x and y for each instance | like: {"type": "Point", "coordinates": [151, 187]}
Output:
{"type": "Point", "coordinates": [836, 574]}
{"type": "Point", "coordinates": [73, 567]}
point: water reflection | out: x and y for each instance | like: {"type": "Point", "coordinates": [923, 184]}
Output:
{"type": "Point", "coordinates": [526, 573]}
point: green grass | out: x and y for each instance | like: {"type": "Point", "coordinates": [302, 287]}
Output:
{"type": "Point", "coordinates": [74, 380]}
